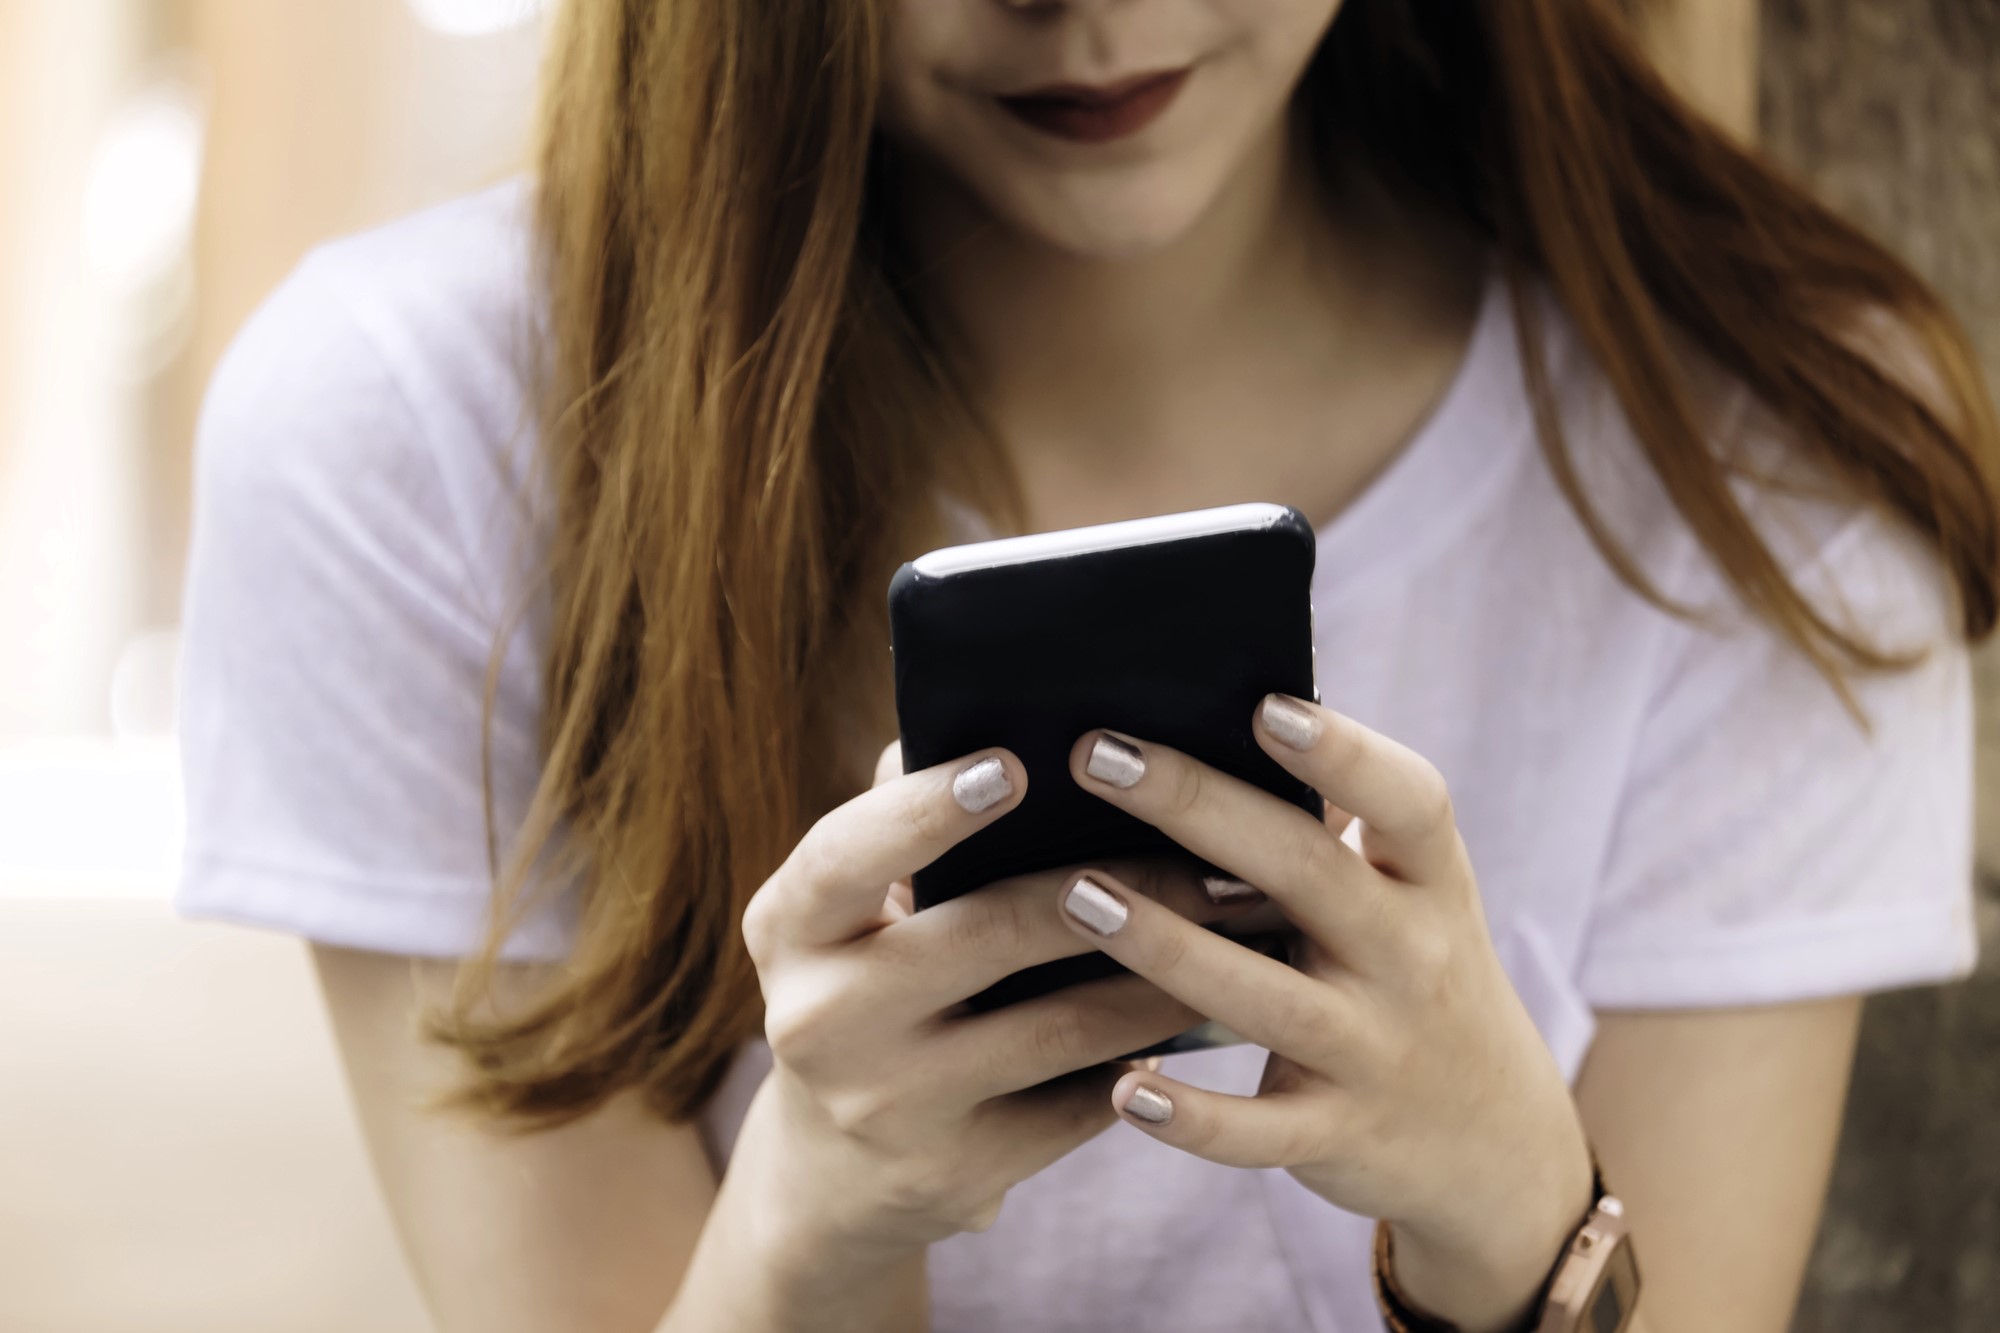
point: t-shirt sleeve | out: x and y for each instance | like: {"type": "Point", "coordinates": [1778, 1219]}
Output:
{"type": "Point", "coordinates": [335, 649]}
{"type": "Point", "coordinates": [1768, 846]}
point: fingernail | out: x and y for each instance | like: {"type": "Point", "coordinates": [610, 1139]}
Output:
{"type": "Point", "coordinates": [981, 785]}
{"type": "Point", "coordinates": [1152, 1063]}
{"type": "Point", "coordinates": [1095, 906]}
{"type": "Point", "coordinates": [1222, 889]}
{"type": "Point", "coordinates": [1148, 1105]}
{"type": "Point", "coordinates": [1289, 720]}
{"type": "Point", "coordinates": [1115, 761]}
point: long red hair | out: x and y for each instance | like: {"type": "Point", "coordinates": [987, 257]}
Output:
{"type": "Point", "coordinates": [742, 421]}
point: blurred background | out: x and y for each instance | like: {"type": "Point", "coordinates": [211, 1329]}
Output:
{"type": "Point", "coordinates": [175, 1147]}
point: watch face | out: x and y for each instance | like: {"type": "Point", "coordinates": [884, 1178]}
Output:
{"type": "Point", "coordinates": [1607, 1312]}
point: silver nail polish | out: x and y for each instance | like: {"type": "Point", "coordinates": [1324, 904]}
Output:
{"type": "Point", "coordinates": [1114, 761]}
{"type": "Point", "coordinates": [1222, 889]}
{"type": "Point", "coordinates": [1095, 906]}
{"type": "Point", "coordinates": [1152, 1107]}
{"type": "Point", "coordinates": [1290, 721]}
{"type": "Point", "coordinates": [982, 785]}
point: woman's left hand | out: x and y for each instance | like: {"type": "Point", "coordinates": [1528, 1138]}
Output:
{"type": "Point", "coordinates": [1406, 1080]}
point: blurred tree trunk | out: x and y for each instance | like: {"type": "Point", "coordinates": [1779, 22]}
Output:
{"type": "Point", "coordinates": [1890, 109]}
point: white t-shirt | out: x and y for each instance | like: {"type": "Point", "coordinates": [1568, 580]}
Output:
{"type": "Point", "coordinates": [1662, 814]}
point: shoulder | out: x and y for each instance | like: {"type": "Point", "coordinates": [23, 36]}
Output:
{"type": "Point", "coordinates": [432, 317]}
{"type": "Point", "coordinates": [384, 386]}
{"type": "Point", "coordinates": [1858, 565]}
{"type": "Point", "coordinates": [362, 548]}
{"type": "Point", "coordinates": [445, 295]}
{"type": "Point", "coordinates": [1774, 837]}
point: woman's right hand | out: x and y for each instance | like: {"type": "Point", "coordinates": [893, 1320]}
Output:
{"type": "Point", "coordinates": [893, 1116]}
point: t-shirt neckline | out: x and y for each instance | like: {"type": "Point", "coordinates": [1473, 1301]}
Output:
{"type": "Point", "coordinates": [1437, 482]}
{"type": "Point", "coordinates": [1440, 478]}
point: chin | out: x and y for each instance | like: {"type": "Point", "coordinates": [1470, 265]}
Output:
{"type": "Point", "coordinates": [1130, 220]}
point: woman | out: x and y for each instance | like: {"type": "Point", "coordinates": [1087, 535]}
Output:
{"type": "Point", "coordinates": [542, 542]}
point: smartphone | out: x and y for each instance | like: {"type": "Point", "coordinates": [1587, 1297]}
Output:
{"type": "Point", "coordinates": [1169, 628]}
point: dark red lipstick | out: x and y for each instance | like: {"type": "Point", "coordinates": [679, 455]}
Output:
{"type": "Point", "coordinates": [1085, 114]}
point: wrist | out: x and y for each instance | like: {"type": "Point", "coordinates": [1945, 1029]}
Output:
{"type": "Point", "coordinates": [801, 1239]}
{"type": "Point", "coordinates": [785, 1206]}
{"type": "Point", "coordinates": [1484, 1268]}
{"type": "Point", "coordinates": [806, 1259]}
{"type": "Point", "coordinates": [771, 1267]}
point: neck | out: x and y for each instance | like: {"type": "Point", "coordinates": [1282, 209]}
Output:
{"type": "Point", "coordinates": [1021, 305]}
{"type": "Point", "coordinates": [1259, 325]}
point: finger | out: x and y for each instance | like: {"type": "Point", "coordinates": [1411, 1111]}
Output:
{"type": "Point", "coordinates": [1337, 819]}
{"type": "Point", "coordinates": [1407, 825]}
{"type": "Point", "coordinates": [957, 948]}
{"type": "Point", "coordinates": [1031, 1129]}
{"type": "Point", "coordinates": [1327, 889]}
{"type": "Point", "coordinates": [1270, 1129]}
{"type": "Point", "coordinates": [830, 888]}
{"type": "Point", "coordinates": [1259, 998]}
{"type": "Point", "coordinates": [889, 764]}
{"type": "Point", "coordinates": [1018, 1046]}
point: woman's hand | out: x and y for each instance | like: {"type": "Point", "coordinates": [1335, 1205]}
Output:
{"type": "Point", "coordinates": [894, 1117]}
{"type": "Point", "coordinates": [1406, 1080]}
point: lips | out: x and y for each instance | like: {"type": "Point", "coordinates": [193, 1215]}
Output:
{"type": "Point", "coordinates": [1085, 114]}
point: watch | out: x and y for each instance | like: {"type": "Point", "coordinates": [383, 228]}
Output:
{"type": "Point", "coordinates": [1593, 1287]}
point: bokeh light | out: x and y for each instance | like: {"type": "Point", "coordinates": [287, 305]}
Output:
{"type": "Point", "coordinates": [475, 18]}
{"type": "Point", "coordinates": [139, 201]}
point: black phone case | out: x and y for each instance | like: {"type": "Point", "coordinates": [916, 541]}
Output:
{"type": "Point", "coordinates": [1171, 641]}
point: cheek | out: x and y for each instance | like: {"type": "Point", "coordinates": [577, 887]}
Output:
{"type": "Point", "coordinates": [918, 33]}
{"type": "Point", "coordinates": [937, 50]}
{"type": "Point", "coordinates": [1280, 36]}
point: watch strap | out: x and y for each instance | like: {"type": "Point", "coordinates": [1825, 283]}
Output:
{"type": "Point", "coordinates": [1398, 1315]}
